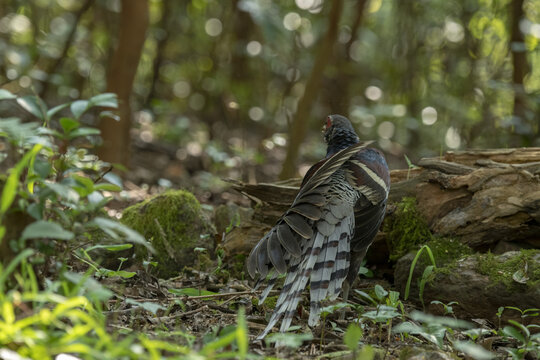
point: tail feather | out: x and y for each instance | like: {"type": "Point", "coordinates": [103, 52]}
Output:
{"type": "Point", "coordinates": [326, 264]}
{"type": "Point", "coordinates": [295, 282]}
{"type": "Point", "coordinates": [341, 267]}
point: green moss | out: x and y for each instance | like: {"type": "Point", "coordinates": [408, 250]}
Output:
{"type": "Point", "coordinates": [406, 229]}
{"type": "Point", "coordinates": [173, 223]}
{"type": "Point", "coordinates": [501, 268]}
{"type": "Point", "coordinates": [447, 251]}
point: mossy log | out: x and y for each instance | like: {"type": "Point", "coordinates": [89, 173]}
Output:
{"type": "Point", "coordinates": [484, 198]}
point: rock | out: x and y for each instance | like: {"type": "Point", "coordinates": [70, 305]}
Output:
{"type": "Point", "coordinates": [229, 215]}
{"type": "Point", "coordinates": [479, 283]}
{"type": "Point", "coordinates": [174, 224]}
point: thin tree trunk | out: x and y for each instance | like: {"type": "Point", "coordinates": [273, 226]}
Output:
{"type": "Point", "coordinates": [520, 64]}
{"type": "Point", "coordinates": [132, 33]}
{"type": "Point", "coordinates": [53, 68]}
{"type": "Point", "coordinates": [338, 90]}
{"type": "Point", "coordinates": [167, 15]}
{"type": "Point", "coordinates": [301, 118]}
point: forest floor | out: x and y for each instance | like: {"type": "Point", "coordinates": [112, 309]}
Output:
{"type": "Point", "coordinates": [202, 305]}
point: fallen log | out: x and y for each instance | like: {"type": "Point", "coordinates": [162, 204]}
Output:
{"type": "Point", "coordinates": [481, 197]}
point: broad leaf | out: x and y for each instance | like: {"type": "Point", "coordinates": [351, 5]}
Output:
{"type": "Point", "coordinates": [191, 292]}
{"type": "Point", "coordinates": [33, 105]}
{"type": "Point", "coordinates": [119, 231]}
{"type": "Point", "coordinates": [473, 350]}
{"type": "Point", "coordinates": [78, 107]}
{"type": "Point", "coordinates": [108, 187]}
{"type": "Point", "coordinates": [148, 306]}
{"type": "Point", "coordinates": [46, 229]}
{"type": "Point", "coordinates": [6, 95]}
{"type": "Point", "coordinates": [84, 131]}
{"type": "Point", "coordinates": [112, 247]}
{"type": "Point", "coordinates": [56, 109]}
{"type": "Point", "coordinates": [352, 336]}
{"type": "Point", "coordinates": [68, 124]}
{"type": "Point", "coordinates": [105, 100]}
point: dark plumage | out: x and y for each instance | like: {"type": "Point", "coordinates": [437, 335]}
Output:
{"type": "Point", "coordinates": [325, 234]}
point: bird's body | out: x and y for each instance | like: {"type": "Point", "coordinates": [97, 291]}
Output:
{"type": "Point", "coordinates": [325, 234]}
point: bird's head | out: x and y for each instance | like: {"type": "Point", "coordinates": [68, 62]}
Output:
{"type": "Point", "coordinates": [339, 129]}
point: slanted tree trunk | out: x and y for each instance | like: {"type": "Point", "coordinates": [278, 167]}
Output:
{"type": "Point", "coordinates": [520, 69]}
{"type": "Point", "coordinates": [301, 118]}
{"type": "Point", "coordinates": [132, 34]}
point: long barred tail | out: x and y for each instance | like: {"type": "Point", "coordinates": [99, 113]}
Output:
{"type": "Point", "coordinates": [295, 282]}
{"type": "Point", "coordinates": [331, 267]}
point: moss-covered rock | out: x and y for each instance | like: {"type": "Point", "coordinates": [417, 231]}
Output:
{"type": "Point", "coordinates": [480, 284]}
{"type": "Point", "coordinates": [513, 269]}
{"type": "Point", "coordinates": [406, 229]}
{"type": "Point", "coordinates": [174, 224]}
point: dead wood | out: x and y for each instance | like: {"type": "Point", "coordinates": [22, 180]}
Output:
{"type": "Point", "coordinates": [481, 197]}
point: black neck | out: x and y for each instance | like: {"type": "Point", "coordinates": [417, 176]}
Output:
{"type": "Point", "coordinates": [340, 140]}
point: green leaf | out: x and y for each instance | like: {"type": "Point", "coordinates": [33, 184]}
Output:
{"type": "Point", "coordinates": [288, 339]}
{"type": "Point", "coordinates": [68, 124]}
{"type": "Point", "coordinates": [56, 109]}
{"type": "Point", "coordinates": [380, 292]}
{"type": "Point", "coordinates": [12, 265]}
{"type": "Point", "coordinates": [191, 292]}
{"type": "Point", "coordinates": [105, 100]}
{"type": "Point", "coordinates": [112, 247]}
{"type": "Point", "coordinates": [119, 231]}
{"type": "Point", "coordinates": [92, 288]}
{"type": "Point", "coordinates": [148, 306]}
{"type": "Point", "coordinates": [46, 229]}
{"type": "Point", "coordinates": [78, 107]}
{"type": "Point", "coordinates": [473, 350]}
{"type": "Point", "coordinates": [6, 95]}
{"type": "Point", "coordinates": [10, 187]}
{"type": "Point", "coordinates": [520, 276]}
{"type": "Point", "coordinates": [352, 336]}
{"type": "Point", "coordinates": [108, 187]}
{"type": "Point", "coordinates": [122, 273]}
{"type": "Point", "coordinates": [330, 309]}
{"type": "Point", "coordinates": [84, 131]}
{"type": "Point", "coordinates": [33, 105]}
{"type": "Point", "coordinates": [63, 191]}
{"type": "Point", "coordinates": [109, 114]}
{"type": "Point", "coordinates": [9, 191]}
{"type": "Point", "coordinates": [87, 183]}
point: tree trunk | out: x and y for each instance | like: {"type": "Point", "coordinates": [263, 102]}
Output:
{"type": "Point", "coordinates": [301, 118]}
{"type": "Point", "coordinates": [132, 33]}
{"type": "Point", "coordinates": [520, 69]}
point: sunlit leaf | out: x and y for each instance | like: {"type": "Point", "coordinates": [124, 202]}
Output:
{"type": "Point", "coordinates": [191, 292]}
{"type": "Point", "coordinates": [56, 109]}
{"type": "Point", "coordinates": [105, 100]}
{"type": "Point", "coordinates": [46, 229]}
{"type": "Point", "coordinates": [352, 336]}
{"type": "Point", "coordinates": [84, 131]}
{"type": "Point", "coordinates": [108, 187]}
{"type": "Point", "coordinates": [288, 339]}
{"type": "Point", "coordinates": [112, 247]}
{"type": "Point", "coordinates": [33, 105]}
{"type": "Point", "coordinates": [473, 350]}
{"type": "Point", "coordinates": [146, 305]}
{"type": "Point", "coordinates": [380, 292]}
{"type": "Point", "coordinates": [6, 95]}
{"type": "Point", "coordinates": [120, 231]}
{"type": "Point", "coordinates": [68, 124]}
{"type": "Point", "coordinates": [78, 107]}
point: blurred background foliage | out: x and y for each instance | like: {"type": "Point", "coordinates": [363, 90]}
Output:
{"type": "Point", "coordinates": [219, 83]}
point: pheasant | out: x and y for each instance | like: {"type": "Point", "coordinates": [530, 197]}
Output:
{"type": "Point", "coordinates": [323, 237]}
